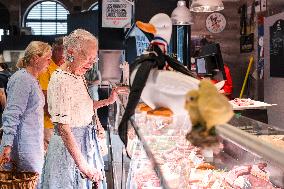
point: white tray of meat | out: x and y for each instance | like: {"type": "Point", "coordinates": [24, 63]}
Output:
{"type": "Point", "coordinates": [247, 103]}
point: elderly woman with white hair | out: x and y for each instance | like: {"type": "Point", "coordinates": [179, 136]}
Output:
{"type": "Point", "coordinates": [73, 150]}
{"type": "Point", "coordinates": [22, 140]}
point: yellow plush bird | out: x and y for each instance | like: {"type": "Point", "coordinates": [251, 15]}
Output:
{"type": "Point", "coordinates": [191, 105]}
{"type": "Point", "coordinates": [207, 108]}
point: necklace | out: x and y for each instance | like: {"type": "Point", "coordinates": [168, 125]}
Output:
{"type": "Point", "coordinates": [85, 82]}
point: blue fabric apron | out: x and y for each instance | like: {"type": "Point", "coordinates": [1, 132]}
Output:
{"type": "Point", "coordinates": [60, 171]}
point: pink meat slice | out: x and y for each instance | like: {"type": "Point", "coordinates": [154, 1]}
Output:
{"type": "Point", "coordinates": [236, 172]}
{"type": "Point", "coordinates": [258, 183]}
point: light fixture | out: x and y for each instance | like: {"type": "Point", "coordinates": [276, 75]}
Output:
{"type": "Point", "coordinates": [181, 14]}
{"type": "Point", "coordinates": [206, 5]}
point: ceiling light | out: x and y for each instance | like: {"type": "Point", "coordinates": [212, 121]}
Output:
{"type": "Point", "coordinates": [181, 15]}
{"type": "Point", "coordinates": [206, 5]}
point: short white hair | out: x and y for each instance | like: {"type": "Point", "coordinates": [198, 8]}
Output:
{"type": "Point", "coordinates": [75, 41]}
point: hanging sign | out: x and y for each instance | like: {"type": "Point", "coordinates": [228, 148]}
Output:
{"type": "Point", "coordinates": [247, 43]}
{"type": "Point", "coordinates": [247, 29]}
{"type": "Point", "coordinates": [142, 41]}
{"type": "Point", "coordinates": [277, 49]}
{"type": "Point", "coordinates": [116, 13]}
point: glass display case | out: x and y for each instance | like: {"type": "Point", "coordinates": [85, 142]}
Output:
{"type": "Point", "coordinates": [244, 154]}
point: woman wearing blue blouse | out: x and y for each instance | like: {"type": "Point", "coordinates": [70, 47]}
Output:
{"type": "Point", "coordinates": [22, 140]}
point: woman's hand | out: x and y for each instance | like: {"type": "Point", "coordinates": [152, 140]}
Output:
{"type": "Point", "coordinates": [116, 91]}
{"type": "Point", "coordinates": [92, 173]}
{"type": "Point", "coordinates": [5, 155]}
{"type": "Point", "coordinates": [100, 131]}
{"type": "Point", "coordinates": [112, 98]}
{"type": "Point", "coordinates": [121, 90]}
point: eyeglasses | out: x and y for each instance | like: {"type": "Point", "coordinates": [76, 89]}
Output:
{"type": "Point", "coordinates": [93, 61]}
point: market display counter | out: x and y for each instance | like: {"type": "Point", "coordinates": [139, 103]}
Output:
{"type": "Point", "coordinates": [256, 114]}
{"type": "Point", "coordinates": [119, 162]}
{"type": "Point", "coordinates": [161, 157]}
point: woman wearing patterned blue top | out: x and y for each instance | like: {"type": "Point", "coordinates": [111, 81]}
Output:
{"type": "Point", "coordinates": [22, 140]}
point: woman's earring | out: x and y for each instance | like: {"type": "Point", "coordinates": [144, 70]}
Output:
{"type": "Point", "coordinates": [70, 58]}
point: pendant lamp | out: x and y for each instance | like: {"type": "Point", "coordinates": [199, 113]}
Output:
{"type": "Point", "coordinates": [181, 14]}
{"type": "Point", "coordinates": [206, 5]}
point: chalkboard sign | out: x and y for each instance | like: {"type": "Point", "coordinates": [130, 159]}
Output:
{"type": "Point", "coordinates": [142, 41]}
{"type": "Point", "coordinates": [277, 49]}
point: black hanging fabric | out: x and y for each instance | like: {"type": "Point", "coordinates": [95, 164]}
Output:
{"type": "Point", "coordinates": [155, 59]}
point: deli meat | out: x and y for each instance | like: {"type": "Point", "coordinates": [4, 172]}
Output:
{"type": "Point", "coordinates": [258, 183]}
{"type": "Point", "coordinates": [242, 101]}
{"type": "Point", "coordinates": [236, 172]}
{"type": "Point", "coordinates": [249, 176]}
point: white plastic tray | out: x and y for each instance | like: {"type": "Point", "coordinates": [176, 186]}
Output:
{"type": "Point", "coordinates": [256, 105]}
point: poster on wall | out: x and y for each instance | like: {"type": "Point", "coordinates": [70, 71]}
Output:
{"type": "Point", "coordinates": [277, 49]}
{"type": "Point", "coordinates": [142, 41]}
{"type": "Point", "coordinates": [116, 13]}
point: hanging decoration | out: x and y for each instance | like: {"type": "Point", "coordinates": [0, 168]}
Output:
{"type": "Point", "coordinates": [216, 22]}
{"type": "Point", "coordinates": [247, 28]}
{"type": "Point", "coordinates": [260, 54]}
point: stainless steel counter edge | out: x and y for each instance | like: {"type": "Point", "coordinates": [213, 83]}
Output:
{"type": "Point", "coordinates": [251, 143]}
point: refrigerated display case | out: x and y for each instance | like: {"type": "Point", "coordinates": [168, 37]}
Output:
{"type": "Point", "coordinates": [240, 156]}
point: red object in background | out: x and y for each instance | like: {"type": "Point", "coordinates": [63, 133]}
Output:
{"type": "Point", "coordinates": [228, 86]}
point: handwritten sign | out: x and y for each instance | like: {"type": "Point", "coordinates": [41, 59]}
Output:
{"type": "Point", "coordinates": [116, 14]}
{"type": "Point", "coordinates": [277, 49]}
{"type": "Point", "coordinates": [142, 41]}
